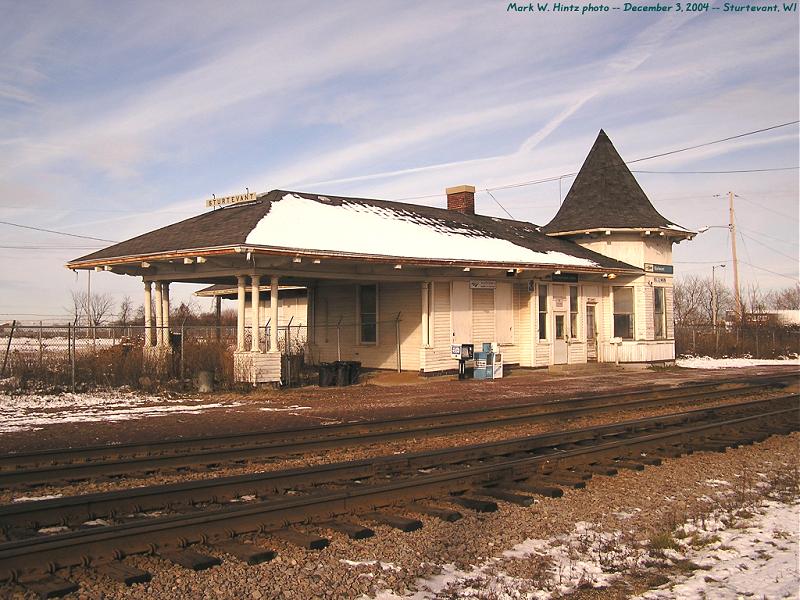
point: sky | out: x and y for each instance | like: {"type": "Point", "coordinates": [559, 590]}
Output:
{"type": "Point", "coordinates": [120, 117]}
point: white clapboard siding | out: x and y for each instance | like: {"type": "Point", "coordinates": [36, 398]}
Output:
{"type": "Point", "coordinates": [482, 317]}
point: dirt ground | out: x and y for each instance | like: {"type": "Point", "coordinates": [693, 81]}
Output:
{"type": "Point", "coordinates": [380, 395]}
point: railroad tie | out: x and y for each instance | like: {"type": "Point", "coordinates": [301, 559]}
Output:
{"type": "Point", "coordinates": [445, 514]}
{"type": "Point", "coordinates": [247, 553]}
{"type": "Point", "coordinates": [653, 461]}
{"type": "Point", "coordinates": [507, 496]}
{"type": "Point", "coordinates": [351, 530]}
{"type": "Point", "coordinates": [190, 559]}
{"type": "Point", "coordinates": [540, 489]}
{"type": "Point", "coordinates": [123, 573]}
{"type": "Point", "coordinates": [50, 586]}
{"type": "Point", "coordinates": [630, 465]}
{"type": "Point", "coordinates": [564, 480]}
{"type": "Point", "coordinates": [602, 470]}
{"type": "Point", "coordinates": [475, 504]}
{"type": "Point", "coordinates": [402, 523]}
{"type": "Point", "coordinates": [298, 538]}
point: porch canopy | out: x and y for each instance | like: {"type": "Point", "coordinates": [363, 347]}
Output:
{"type": "Point", "coordinates": [298, 239]}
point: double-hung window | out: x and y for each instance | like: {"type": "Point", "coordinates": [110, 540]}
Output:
{"type": "Point", "coordinates": [623, 312]}
{"type": "Point", "coordinates": [573, 311]}
{"type": "Point", "coordinates": [659, 313]}
{"type": "Point", "coordinates": [368, 314]}
{"type": "Point", "coordinates": [542, 311]}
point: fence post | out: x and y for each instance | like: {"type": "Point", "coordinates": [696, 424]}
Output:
{"type": "Point", "coordinates": [72, 356]}
{"type": "Point", "coordinates": [397, 339]}
{"type": "Point", "coordinates": [694, 341]}
{"type": "Point", "coordinates": [338, 338]}
{"type": "Point", "coordinates": [757, 353]}
{"type": "Point", "coordinates": [41, 349]}
{"type": "Point", "coordinates": [183, 334]}
{"type": "Point", "coordinates": [8, 347]}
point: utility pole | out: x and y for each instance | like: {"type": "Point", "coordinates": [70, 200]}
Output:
{"type": "Point", "coordinates": [732, 228]}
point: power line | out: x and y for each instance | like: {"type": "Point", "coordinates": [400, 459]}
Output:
{"type": "Point", "coordinates": [500, 205]}
{"type": "Point", "coordinates": [75, 235]}
{"type": "Point", "coordinates": [768, 271]}
{"type": "Point", "coordinates": [703, 145]}
{"type": "Point", "coordinates": [766, 246]}
{"type": "Point", "coordinates": [668, 153]}
{"type": "Point", "coordinates": [716, 172]}
{"type": "Point", "coordinates": [780, 214]}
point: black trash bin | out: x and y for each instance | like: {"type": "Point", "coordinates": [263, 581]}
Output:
{"type": "Point", "coordinates": [355, 371]}
{"type": "Point", "coordinates": [342, 373]}
{"type": "Point", "coordinates": [327, 375]}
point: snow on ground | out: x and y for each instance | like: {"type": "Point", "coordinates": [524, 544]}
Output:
{"type": "Point", "coordinates": [759, 560]}
{"type": "Point", "coordinates": [706, 362]}
{"type": "Point", "coordinates": [33, 411]}
{"type": "Point", "coordinates": [571, 561]}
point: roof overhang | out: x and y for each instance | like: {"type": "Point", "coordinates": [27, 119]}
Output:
{"type": "Point", "coordinates": [193, 253]}
{"type": "Point", "coordinates": [644, 231]}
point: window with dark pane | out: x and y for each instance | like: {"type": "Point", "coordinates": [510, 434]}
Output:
{"type": "Point", "coordinates": [659, 313]}
{"type": "Point", "coordinates": [542, 311]}
{"type": "Point", "coordinates": [368, 313]}
{"type": "Point", "coordinates": [623, 312]}
{"type": "Point", "coordinates": [573, 311]}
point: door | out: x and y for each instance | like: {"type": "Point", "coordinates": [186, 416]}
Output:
{"type": "Point", "coordinates": [591, 334]}
{"type": "Point", "coordinates": [560, 348]}
{"type": "Point", "coordinates": [461, 313]}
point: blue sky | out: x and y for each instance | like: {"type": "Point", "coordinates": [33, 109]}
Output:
{"type": "Point", "coordinates": [118, 117]}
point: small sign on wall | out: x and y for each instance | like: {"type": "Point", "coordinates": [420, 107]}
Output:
{"type": "Point", "coordinates": [559, 301]}
{"type": "Point", "coordinates": [482, 284]}
{"type": "Point", "coordinates": [656, 268]}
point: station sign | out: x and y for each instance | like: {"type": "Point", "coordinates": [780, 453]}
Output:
{"type": "Point", "coordinates": [656, 268]}
{"type": "Point", "coordinates": [482, 284]}
{"type": "Point", "coordinates": [565, 277]}
{"type": "Point", "coordinates": [235, 199]}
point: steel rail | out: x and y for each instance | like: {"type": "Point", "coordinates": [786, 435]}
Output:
{"type": "Point", "coordinates": [15, 460]}
{"type": "Point", "coordinates": [73, 510]}
{"type": "Point", "coordinates": [114, 542]}
{"type": "Point", "coordinates": [286, 442]}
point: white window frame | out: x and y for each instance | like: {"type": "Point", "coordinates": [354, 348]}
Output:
{"type": "Point", "coordinates": [359, 341]}
{"type": "Point", "coordinates": [663, 291]}
{"type": "Point", "coordinates": [546, 338]}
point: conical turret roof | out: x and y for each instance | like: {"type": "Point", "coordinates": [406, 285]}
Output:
{"type": "Point", "coordinates": [606, 195]}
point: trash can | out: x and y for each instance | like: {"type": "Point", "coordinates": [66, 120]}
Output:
{"type": "Point", "coordinates": [354, 371]}
{"type": "Point", "coordinates": [342, 373]}
{"type": "Point", "coordinates": [327, 375]}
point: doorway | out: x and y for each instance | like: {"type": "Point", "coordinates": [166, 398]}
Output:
{"type": "Point", "coordinates": [591, 334]}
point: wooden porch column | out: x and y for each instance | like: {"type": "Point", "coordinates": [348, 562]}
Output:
{"type": "Point", "coordinates": [425, 315]}
{"type": "Point", "coordinates": [241, 281]}
{"type": "Point", "coordinates": [273, 309]}
{"type": "Point", "coordinates": [148, 313]}
{"type": "Point", "coordinates": [165, 316]}
{"type": "Point", "coordinates": [255, 315]}
{"type": "Point", "coordinates": [159, 315]}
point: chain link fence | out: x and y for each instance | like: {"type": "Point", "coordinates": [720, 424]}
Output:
{"type": "Point", "coordinates": [111, 355]}
{"type": "Point", "coordinates": [762, 341]}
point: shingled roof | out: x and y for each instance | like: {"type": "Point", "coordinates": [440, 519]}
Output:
{"type": "Point", "coordinates": [353, 227]}
{"type": "Point", "coordinates": [606, 195]}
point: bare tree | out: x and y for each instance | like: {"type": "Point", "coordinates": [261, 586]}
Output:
{"type": "Point", "coordinates": [125, 310]}
{"type": "Point", "coordinates": [689, 300]}
{"type": "Point", "coordinates": [785, 299]}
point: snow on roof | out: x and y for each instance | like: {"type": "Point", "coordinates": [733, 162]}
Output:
{"type": "Point", "coordinates": [358, 228]}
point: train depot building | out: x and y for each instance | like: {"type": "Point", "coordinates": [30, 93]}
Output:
{"type": "Point", "coordinates": [395, 286]}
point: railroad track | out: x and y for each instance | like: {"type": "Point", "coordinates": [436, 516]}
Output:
{"type": "Point", "coordinates": [69, 465]}
{"type": "Point", "coordinates": [389, 490]}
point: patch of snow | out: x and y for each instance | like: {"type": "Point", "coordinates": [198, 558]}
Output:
{"type": "Point", "coordinates": [33, 411]}
{"type": "Point", "coordinates": [286, 408]}
{"type": "Point", "coordinates": [36, 498]}
{"type": "Point", "coordinates": [759, 561]}
{"type": "Point", "coordinates": [386, 566]}
{"type": "Point", "coordinates": [387, 232]}
{"type": "Point", "coordinates": [706, 362]}
{"type": "Point", "coordinates": [52, 530]}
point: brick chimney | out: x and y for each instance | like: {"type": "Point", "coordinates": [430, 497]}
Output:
{"type": "Point", "coordinates": [462, 199]}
